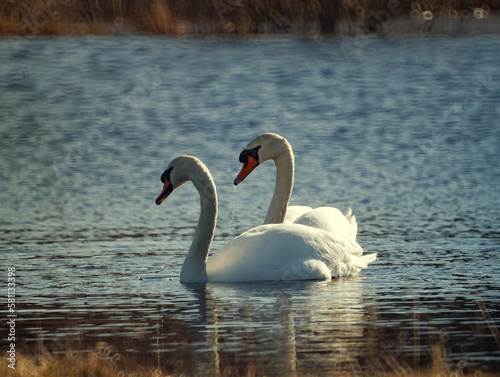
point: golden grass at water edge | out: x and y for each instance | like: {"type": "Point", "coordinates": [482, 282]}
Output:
{"type": "Point", "coordinates": [101, 362]}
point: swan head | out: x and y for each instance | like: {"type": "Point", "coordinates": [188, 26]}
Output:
{"type": "Point", "coordinates": [267, 146]}
{"type": "Point", "coordinates": [179, 171]}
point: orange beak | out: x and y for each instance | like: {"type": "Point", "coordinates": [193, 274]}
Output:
{"type": "Point", "coordinates": [247, 168]}
{"type": "Point", "coordinates": [165, 192]}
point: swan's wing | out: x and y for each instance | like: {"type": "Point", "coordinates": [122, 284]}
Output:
{"type": "Point", "coordinates": [284, 252]}
{"type": "Point", "coordinates": [294, 212]}
{"type": "Point", "coordinates": [331, 220]}
{"type": "Point", "coordinates": [343, 255]}
{"type": "Point", "coordinates": [351, 219]}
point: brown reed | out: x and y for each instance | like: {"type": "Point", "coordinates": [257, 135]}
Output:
{"type": "Point", "coordinates": [172, 17]}
{"type": "Point", "coordinates": [103, 361]}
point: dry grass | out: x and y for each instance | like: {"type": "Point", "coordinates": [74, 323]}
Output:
{"type": "Point", "coordinates": [62, 17]}
{"type": "Point", "coordinates": [104, 362]}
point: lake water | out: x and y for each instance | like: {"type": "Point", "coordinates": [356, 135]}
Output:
{"type": "Point", "coordinates": [404, 130]}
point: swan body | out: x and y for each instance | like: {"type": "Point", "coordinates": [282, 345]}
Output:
{"type": "Point", "coordinates": [286, 252]}
{"type": "Point", "coordinates": [267, 252]}
{"type": "Point", "coordinates": [294, 212]}
{"type": "Point", "coordinates": [269, 146]}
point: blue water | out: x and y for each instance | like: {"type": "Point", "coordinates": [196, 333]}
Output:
{"type": "Point", "coordinates": [404, 130]}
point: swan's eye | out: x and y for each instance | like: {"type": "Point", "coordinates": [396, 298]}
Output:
{"type": "Point", "coordinates": [254, 153]}
{"type": "Point", "coordinates": [166, 175]}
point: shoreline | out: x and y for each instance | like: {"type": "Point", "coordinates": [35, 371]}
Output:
{"type": "Point", "coordinates": [159, 21]}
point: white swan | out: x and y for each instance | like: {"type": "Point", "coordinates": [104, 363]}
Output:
{"type": "Point", "coordinates": [273, 146]}
{"type": "Point", "coordinates": [267, 252]}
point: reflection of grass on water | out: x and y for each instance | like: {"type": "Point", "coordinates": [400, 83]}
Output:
{"type": "Point", "coordinates": [103, 362]}
{"type": "Point", "coordinates": [25, 18]}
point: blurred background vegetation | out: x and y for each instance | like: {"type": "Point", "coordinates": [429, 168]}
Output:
{"type": "Point", "coordinates": [177, 17]}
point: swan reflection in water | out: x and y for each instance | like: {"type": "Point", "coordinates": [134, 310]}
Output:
{"type": "Point", "coordinates": [277, 327]}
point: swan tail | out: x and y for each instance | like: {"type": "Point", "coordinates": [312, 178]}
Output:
{"type": "Point", "coordinates": [367, 259]}
{"type": "Point", "coordinates": [353, 266]}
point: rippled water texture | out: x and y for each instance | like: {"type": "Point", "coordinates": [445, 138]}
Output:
{"type": "Point", "coordinates": [403, 130]}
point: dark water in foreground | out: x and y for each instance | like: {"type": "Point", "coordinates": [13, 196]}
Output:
{"type": "Point", "coordinates": [403, 130]}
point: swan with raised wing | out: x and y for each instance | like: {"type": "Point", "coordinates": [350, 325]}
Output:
{"type": "Point", "coordinates": [267, 252]}
{"type": "Point", "coordinates": [271, 146]}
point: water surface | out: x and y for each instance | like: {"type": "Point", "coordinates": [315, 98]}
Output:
{"type": "Point", "coordinates": [403, 130]}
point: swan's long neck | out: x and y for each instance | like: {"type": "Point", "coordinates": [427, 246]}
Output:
{"type": "Point", "coordinates": [194, 267]}
{"type": "Point", "coordinates": [283, 189]}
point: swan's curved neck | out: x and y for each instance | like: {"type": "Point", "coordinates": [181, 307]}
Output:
{"type": "Point", "coordinates": [194, 268]}
{"type": "Point", "coordinates": [283, 189]}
